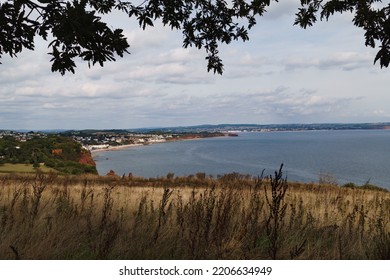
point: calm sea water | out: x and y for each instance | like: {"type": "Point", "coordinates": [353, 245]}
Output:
{"type": "Point", "coordinates": [348, 156]}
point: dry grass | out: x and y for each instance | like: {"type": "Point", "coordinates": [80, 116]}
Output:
{"type": "Point", "coordinates": [232, 217]}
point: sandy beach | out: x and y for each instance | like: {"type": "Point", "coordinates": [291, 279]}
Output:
{"type": "Point", "coordinates": [121, 147]}
{"type": "Point", "coordinates": [113, 148]}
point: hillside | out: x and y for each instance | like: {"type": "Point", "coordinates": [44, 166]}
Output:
{"type": "Point", "coordinates": [62, 154]}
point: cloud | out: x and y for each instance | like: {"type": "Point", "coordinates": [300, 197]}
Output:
{"type": "Point", "coordinates": [281, 103]}
{"type": "Point", "coordinates": [346, 61]}
{"type": "Point", "coordinates": [24, 69]}
{"type": "Point", "coordinates": [251, 60]}
{"type": "Point", "coordinates": [169, 72]}
{"type": "Point", "coordinates": [171, 66]}
{"type": "Point", "coordinates": [151, 38]}
{"type": "Point", "coordinates": [285, 8]}
{"type": "Point", "coordinates": [382, 113]}
{"type": "Point", "coordinates": [178, 55]}
{"type": "Point", "coordinates": [55, 106]}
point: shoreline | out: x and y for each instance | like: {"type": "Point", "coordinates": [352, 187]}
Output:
{"type": "Point", "coordinates": [121, 147]}
{"type": "Point", "coordinates": [113, 148]}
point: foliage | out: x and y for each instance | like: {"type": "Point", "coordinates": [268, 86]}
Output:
{"type": "Point", "coordinates": [374, 21]}
{"type": "Point", "coordinates": [76, 28]}
{"type": "Point", "coordinates": [40, 150]}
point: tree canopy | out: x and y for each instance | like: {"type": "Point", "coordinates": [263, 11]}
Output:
{"type": "Point", "coordinates": [75, 29]}
{"type": "Point", "coordinates": [40, 149]}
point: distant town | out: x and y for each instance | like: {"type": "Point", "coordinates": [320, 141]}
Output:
{"type": "Point", "coordinates": [103, 139]}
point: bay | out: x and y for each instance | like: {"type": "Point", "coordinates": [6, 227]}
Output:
{"type": "Point", "coordinates": [357, 156]}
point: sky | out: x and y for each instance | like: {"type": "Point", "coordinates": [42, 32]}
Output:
{"type": "Point", "coordinates": [283, 74]}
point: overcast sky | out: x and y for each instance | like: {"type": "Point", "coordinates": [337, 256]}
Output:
{"type": "Point", "coordinates": [283, 74]}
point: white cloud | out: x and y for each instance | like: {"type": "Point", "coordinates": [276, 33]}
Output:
{"type": "Point", "coordinates": [346, 61]}
{"type": "Point", "coordinates": [178, 55]}
{"type": "Point", "coordinates": [150, 38]}
{"type": "Point", "coordinates": [286, 8]}
{"type": "Point", "coordinates": [55, 106]}
{"type": "Point", "coordinates": [382, 113]}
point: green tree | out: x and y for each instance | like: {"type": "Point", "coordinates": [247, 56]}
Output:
{"type": "Point", "coordinates": [76, 29]}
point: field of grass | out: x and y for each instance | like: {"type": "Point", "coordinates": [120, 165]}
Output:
{"type": "Point", "coordinates": [22, 168]}
{"type": "Point", "coordinates": [45, 216]}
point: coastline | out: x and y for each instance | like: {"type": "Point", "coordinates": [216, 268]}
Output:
{"type": "Point", "coordinates": [113, 148]}
{"type": "Point", "coordinates": [121, 147]}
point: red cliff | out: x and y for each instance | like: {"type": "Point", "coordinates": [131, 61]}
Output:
{"type": "Point", "coordinates": [86, 158]}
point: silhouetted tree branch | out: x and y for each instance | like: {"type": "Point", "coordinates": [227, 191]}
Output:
{"type": "Point", "coordinates": [375, 21]}
{"type": "Point", "coordinates": [75, 29]}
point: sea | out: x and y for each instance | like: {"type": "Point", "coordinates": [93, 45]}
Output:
{"type": "Point", "coordinates": [339, 156]}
